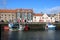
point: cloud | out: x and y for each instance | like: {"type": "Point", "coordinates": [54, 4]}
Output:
{"type": "Point", "coordinates": [36, 10]}
{"type": "Point", "coordinates": [48, 10]}
{"type": "Point", "coordinates": [52, 10]}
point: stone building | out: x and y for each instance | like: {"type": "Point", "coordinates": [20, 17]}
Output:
{"type": "Point", "coordinates": [22, 14]}
{"type": "Point", "coordinates": [7, 14]}
{"type": "Point", "coordinates": [25, 14]}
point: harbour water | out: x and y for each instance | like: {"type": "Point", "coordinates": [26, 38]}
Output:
{"type": "Point", "coordinates": [30, 35]}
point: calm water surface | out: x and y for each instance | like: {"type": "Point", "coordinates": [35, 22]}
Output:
{"type": "Point", "coordinates": [30, 35]}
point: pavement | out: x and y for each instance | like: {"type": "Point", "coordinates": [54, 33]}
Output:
{"type": "Point", "coordinates": [31, 35]}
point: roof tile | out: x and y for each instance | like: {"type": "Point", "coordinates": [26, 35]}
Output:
{"type": "Point", "coordinates": [37, 14]}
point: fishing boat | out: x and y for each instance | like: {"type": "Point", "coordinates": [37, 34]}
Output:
{"type": "Point", "coordinates": [50, 26]}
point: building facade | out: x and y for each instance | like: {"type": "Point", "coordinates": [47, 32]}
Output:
{"type": "Point", "coordinates": [28, 15]}
{"type": "Point", "coordinates": [25, 14]}
{"type": "Point", "coordinates": [57, 17]}
{"type": "Point", "coordinates": [48, 18]}
{"type": "Point", "coordinates": [7, 15]}
{"type": "Point", "coordinates": [37, 17]}
{"type": "Point", "coordinates": [43, 18]}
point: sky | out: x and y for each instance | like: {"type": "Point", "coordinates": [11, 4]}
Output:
{"type": "Point", "coordinates": [45, 6]}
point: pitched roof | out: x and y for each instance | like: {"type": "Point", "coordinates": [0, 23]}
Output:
{"type": "Point", "coordinates": [7, 11]}
{"type": "Point", "coordinates": [25, 10]}
{"type": "Point", "coordinates": [15, 10]}
{"type": "Point", "coordinates": [38, 14]}
{"type": "Point", "coordinates": [51, 15]}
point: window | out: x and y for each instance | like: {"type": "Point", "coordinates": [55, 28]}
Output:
{"type": "Point", "coordinates": [22, 15]}
{"type": "Point", "coordinates": [42, 17]}
{"type": "Point", "coordinates": [51, 17]}
{"type": "Point", "coordinates": [2, 15]}
{"type": "Point", "coordinates": [29, 16]}
{"type": "Point", "coordinates": [5, 14]}
{"type": "Point", "coordinates": [25, 16]}
{"type": "Point", "coordinates": [9, 15]}
{"type": "Point", "coordinates": [34, 17]}
{"type": "Point", "coordinates": [18, 15]}
{"type": "Point", "coordinates": [12, 15]}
